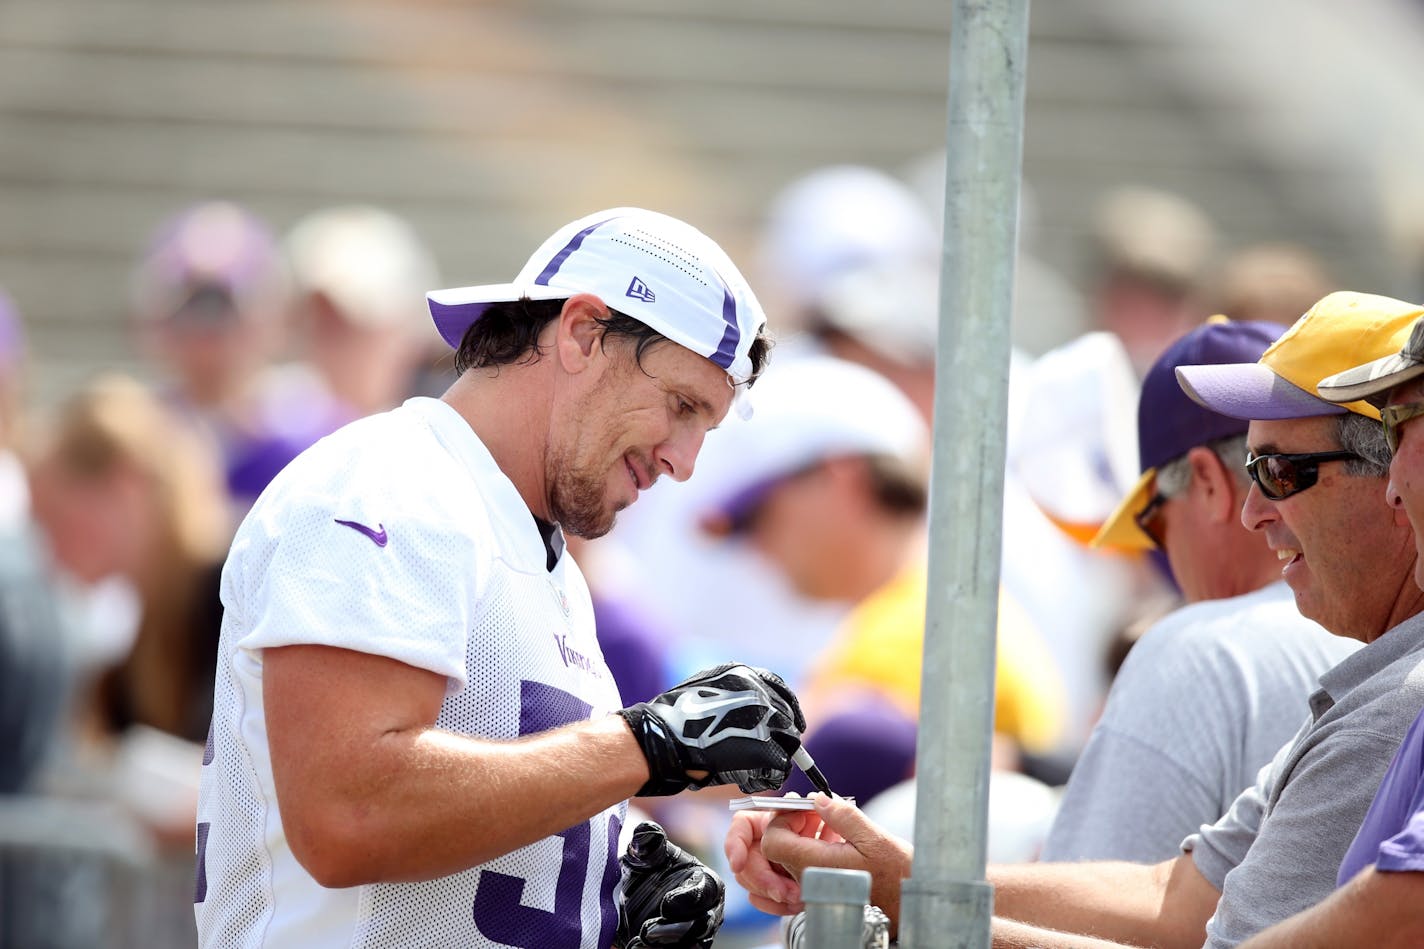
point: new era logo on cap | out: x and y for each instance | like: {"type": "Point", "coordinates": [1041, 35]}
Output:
{"type": "Point", "coordinates": [639, 290]}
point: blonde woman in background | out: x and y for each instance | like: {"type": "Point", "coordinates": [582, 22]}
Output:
{"type": "Point", "coordinates": [127, 500]}
{"type": "Point", "coordinates": [125, 492]}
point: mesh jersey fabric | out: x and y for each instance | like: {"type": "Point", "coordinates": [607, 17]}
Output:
{"type": "Point", "coordinates": [448, 575]}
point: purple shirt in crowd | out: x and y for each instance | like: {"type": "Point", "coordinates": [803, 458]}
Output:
{"type": "Point", "coordinates": [635, 652]}
{"type": "Point", "coordinates": [1392, 835]}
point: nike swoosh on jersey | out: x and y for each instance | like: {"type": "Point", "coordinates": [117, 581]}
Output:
{"type": "Point", "coordinates": [378, 534]}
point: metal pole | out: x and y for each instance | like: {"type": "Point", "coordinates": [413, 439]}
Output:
{"type": "Point", "coordinates": [835, 907]}
{"type": "Point", "coordinates": [946, 901]}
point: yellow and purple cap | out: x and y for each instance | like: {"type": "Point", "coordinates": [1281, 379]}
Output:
{"type": "Point", "coordinates": [1373, 380]}
{"type": "Point", "coordinates": [1169, 424]}
{"type": "Point", "coordinates": [1341, 331]}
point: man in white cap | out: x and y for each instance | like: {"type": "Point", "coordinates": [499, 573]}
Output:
{"type": "Point", "coordinates": [1381, 879]}
{"type": "Point", "coordinates": [359, 274]}
{"type": "Point", "coordinates": [833, 436]}
{"type": "Point", "coordinates": [416, 740]}
{"type": "Point", "coordinates": [1318, 473]}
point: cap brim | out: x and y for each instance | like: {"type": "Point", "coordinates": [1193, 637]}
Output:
{"type": "Point", "coordinates": [1250, 391]}
{"type": "Point", "coordinates": [1120, 530]}
{"type": "Point", "coordinates": [1370, 382]}
{"type": "Point", "coordinates": [453, 310]}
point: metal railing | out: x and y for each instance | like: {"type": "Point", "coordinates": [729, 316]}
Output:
{"type": "Point", "coordinates": [85, 874]}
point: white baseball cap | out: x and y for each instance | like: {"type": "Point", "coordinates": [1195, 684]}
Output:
{"type": "Point", "coordinates": [656, 269]}
{"type": "Point", "coordinates": [843, 218]}
{"type": "Point", "coordinates": [809, 409]}
{"type": "Point", "coordinates": [368, 261]}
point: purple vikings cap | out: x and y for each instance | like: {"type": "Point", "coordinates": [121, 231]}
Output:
{"type": "Point", "coordinates": [1169, 423]}
{"type": "Point", "coordinates": [208, 263]}
{"type": "Point", "coordinates": [649, 266]}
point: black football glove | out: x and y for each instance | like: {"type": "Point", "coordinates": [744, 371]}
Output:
{"type": "Point", "coordinates": [670, 898]}
{"type": "Point", "coordinates": [738, 724]}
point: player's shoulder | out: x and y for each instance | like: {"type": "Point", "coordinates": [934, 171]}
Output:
{"type": "Point", "coordinates": [400, 451]}
{"type": "Point", "coordinates": [391, 466]}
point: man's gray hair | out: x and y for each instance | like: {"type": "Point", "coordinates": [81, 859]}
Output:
{"type": "Point", "coordinates": [1365, 437]}
{"type": "Point", "coordinates": [1174, 476]}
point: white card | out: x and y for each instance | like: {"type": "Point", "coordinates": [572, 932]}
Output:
{"type": "Point", "coordinates": [774, 803]}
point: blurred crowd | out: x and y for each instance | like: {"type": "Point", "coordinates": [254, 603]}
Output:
{"type": "Point", "coordinates": [118, 505]}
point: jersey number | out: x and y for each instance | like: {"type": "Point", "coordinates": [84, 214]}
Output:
{"type": "Point", "coordinates": [200, 884]}
{"type": "Point", "coordinates": [499, 911]}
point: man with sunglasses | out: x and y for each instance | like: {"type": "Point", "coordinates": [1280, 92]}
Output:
{"type": "Point", "coordinates": [1161, 760]}
{"type": "Point", "coordinates": [1382, 876]}
{"type": "Point", "coordinates": [1349, 560]}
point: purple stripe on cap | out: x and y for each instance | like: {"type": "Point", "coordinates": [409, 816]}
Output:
{"type": "Point", "coordinates": [727, 348]}
{"type": "Point", "coordinates": [553, 266]}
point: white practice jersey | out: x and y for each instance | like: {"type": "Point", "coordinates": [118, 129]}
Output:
{"type": "Point", "coordinates": [399, 536]}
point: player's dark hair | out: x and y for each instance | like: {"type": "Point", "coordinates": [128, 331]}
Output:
{"type": "Point", "coordinates": [509, 333]}
{"type": "Point", "coordinates": [759, 353]}
{"type": "Point", "coordinates": [505, 333]}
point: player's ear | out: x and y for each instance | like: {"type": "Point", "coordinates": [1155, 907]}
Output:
{"type": "Point", "coordinates": [579, 337]}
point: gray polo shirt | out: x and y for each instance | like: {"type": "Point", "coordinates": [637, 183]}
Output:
{"type": "Point", "coordinates": [1278, 849]}
{"type": "Point", "coordinates": [1205, 699]}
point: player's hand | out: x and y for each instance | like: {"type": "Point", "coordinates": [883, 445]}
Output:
{"type": "Point", "coordinates": [728, 725]}
{"type": "Point", "coordinates": [670, 898]}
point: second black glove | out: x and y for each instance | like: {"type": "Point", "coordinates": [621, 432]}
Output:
{"type": "Point", "coordinates": [670, 898]}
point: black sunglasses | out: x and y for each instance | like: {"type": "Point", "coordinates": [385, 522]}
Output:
{"type": "Point", "coordinates": [1280, 476]}
{"type": "Point", "coordinates": [1148, 519]}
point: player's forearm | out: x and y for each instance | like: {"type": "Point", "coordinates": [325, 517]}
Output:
{"type": "Point", "coordinates": [1166, 904]}
{"type": "Point", "coordinates": [426, 803]}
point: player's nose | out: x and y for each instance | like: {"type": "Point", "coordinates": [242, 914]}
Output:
{"type": "Point", "coordinates": [677, 456]}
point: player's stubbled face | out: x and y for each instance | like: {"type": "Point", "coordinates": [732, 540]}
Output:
{"type": "Point", "coordinates": [635, 424]}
